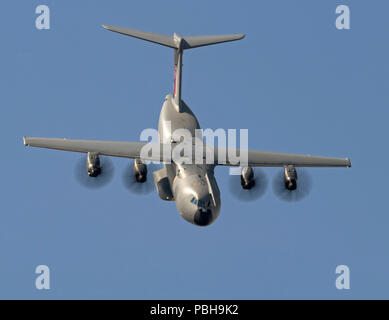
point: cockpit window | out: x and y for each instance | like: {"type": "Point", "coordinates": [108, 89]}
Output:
{"type": "Point", "coordinates": [200, 203]}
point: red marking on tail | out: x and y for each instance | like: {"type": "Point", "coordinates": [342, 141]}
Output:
{"type": "Point", "coordinates": [175, 80]}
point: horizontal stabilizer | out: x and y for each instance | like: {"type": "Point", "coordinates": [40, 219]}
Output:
{"type": "Point", "coordinates": [148, 36]}
{"type": "Point", "coordinates": [200, 41]}
{"type": "Point", "coordinates": [173, 42]}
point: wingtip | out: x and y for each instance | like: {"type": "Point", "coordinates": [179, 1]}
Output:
{"type": "Point", "coordinates": [105, 26]}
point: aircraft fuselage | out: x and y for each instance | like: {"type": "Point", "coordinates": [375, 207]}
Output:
{"type": "Point", "coordinates": [193, 186]}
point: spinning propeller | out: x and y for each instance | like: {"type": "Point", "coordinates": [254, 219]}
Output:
{"type": "Point", "coordinates": [94, 172]}
{"type": "Point", "coordinates": [138, 177]}
{"type": "Point", "coordinates": [292, 189]}
{"type": "Point", "coordinates": [250, 185]}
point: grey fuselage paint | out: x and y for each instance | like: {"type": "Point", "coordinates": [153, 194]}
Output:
{"type": "Point", "coordinates": [194, 186]}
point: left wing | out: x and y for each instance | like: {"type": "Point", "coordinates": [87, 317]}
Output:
{"type": "Point", "coordinates": [272, 159]}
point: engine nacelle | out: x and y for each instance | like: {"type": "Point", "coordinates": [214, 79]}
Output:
{"type": "Point", "coordinates": [93, 164]}
{"type": "Point", "coordinates": [140, 171]}
{"type": "Point", "coordinates": [290, 177]}
{"type": "Point", "coordinates": [247, 178]}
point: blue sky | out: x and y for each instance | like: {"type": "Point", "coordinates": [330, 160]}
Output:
{"type": "Point", "coordinates": [296, 82]}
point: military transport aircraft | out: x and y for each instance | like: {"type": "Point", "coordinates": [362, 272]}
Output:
{"type": "Point", "coordinates": [191, 185]}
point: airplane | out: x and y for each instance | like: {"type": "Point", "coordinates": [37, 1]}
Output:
{"type": "Point", "coordinates": [192, 186]}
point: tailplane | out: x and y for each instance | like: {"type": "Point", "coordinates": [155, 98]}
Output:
{"type": "Point", "coordinates": [171, 41]}
{"type": "Point", "coordinates": [179, 44]}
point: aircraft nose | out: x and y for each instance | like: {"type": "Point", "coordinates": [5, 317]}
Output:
{"type": "Point", "coordinates": [203, 217]}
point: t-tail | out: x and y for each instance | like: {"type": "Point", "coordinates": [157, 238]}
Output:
{"type": "Point", "coordinates": [179, 44]}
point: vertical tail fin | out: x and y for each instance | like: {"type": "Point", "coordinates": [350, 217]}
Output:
{"type": "Point", "coordinates": [179, 44]}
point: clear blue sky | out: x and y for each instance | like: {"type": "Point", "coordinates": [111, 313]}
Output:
{"type": "Point", "coordinates": [297, 83]}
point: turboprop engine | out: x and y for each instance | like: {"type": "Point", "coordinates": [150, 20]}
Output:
{"type": "Point", "coordinates": [247, 178]}
{"type": "Point", "coordinates": [140, 171]}
{"type": "Point", "coordinates": [93, 164]}
{"type": "Point", "coordinates": [290, 178]}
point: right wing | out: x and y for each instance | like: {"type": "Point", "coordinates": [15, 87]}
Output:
{"type": "Point", "coordinates": [107, 148]}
